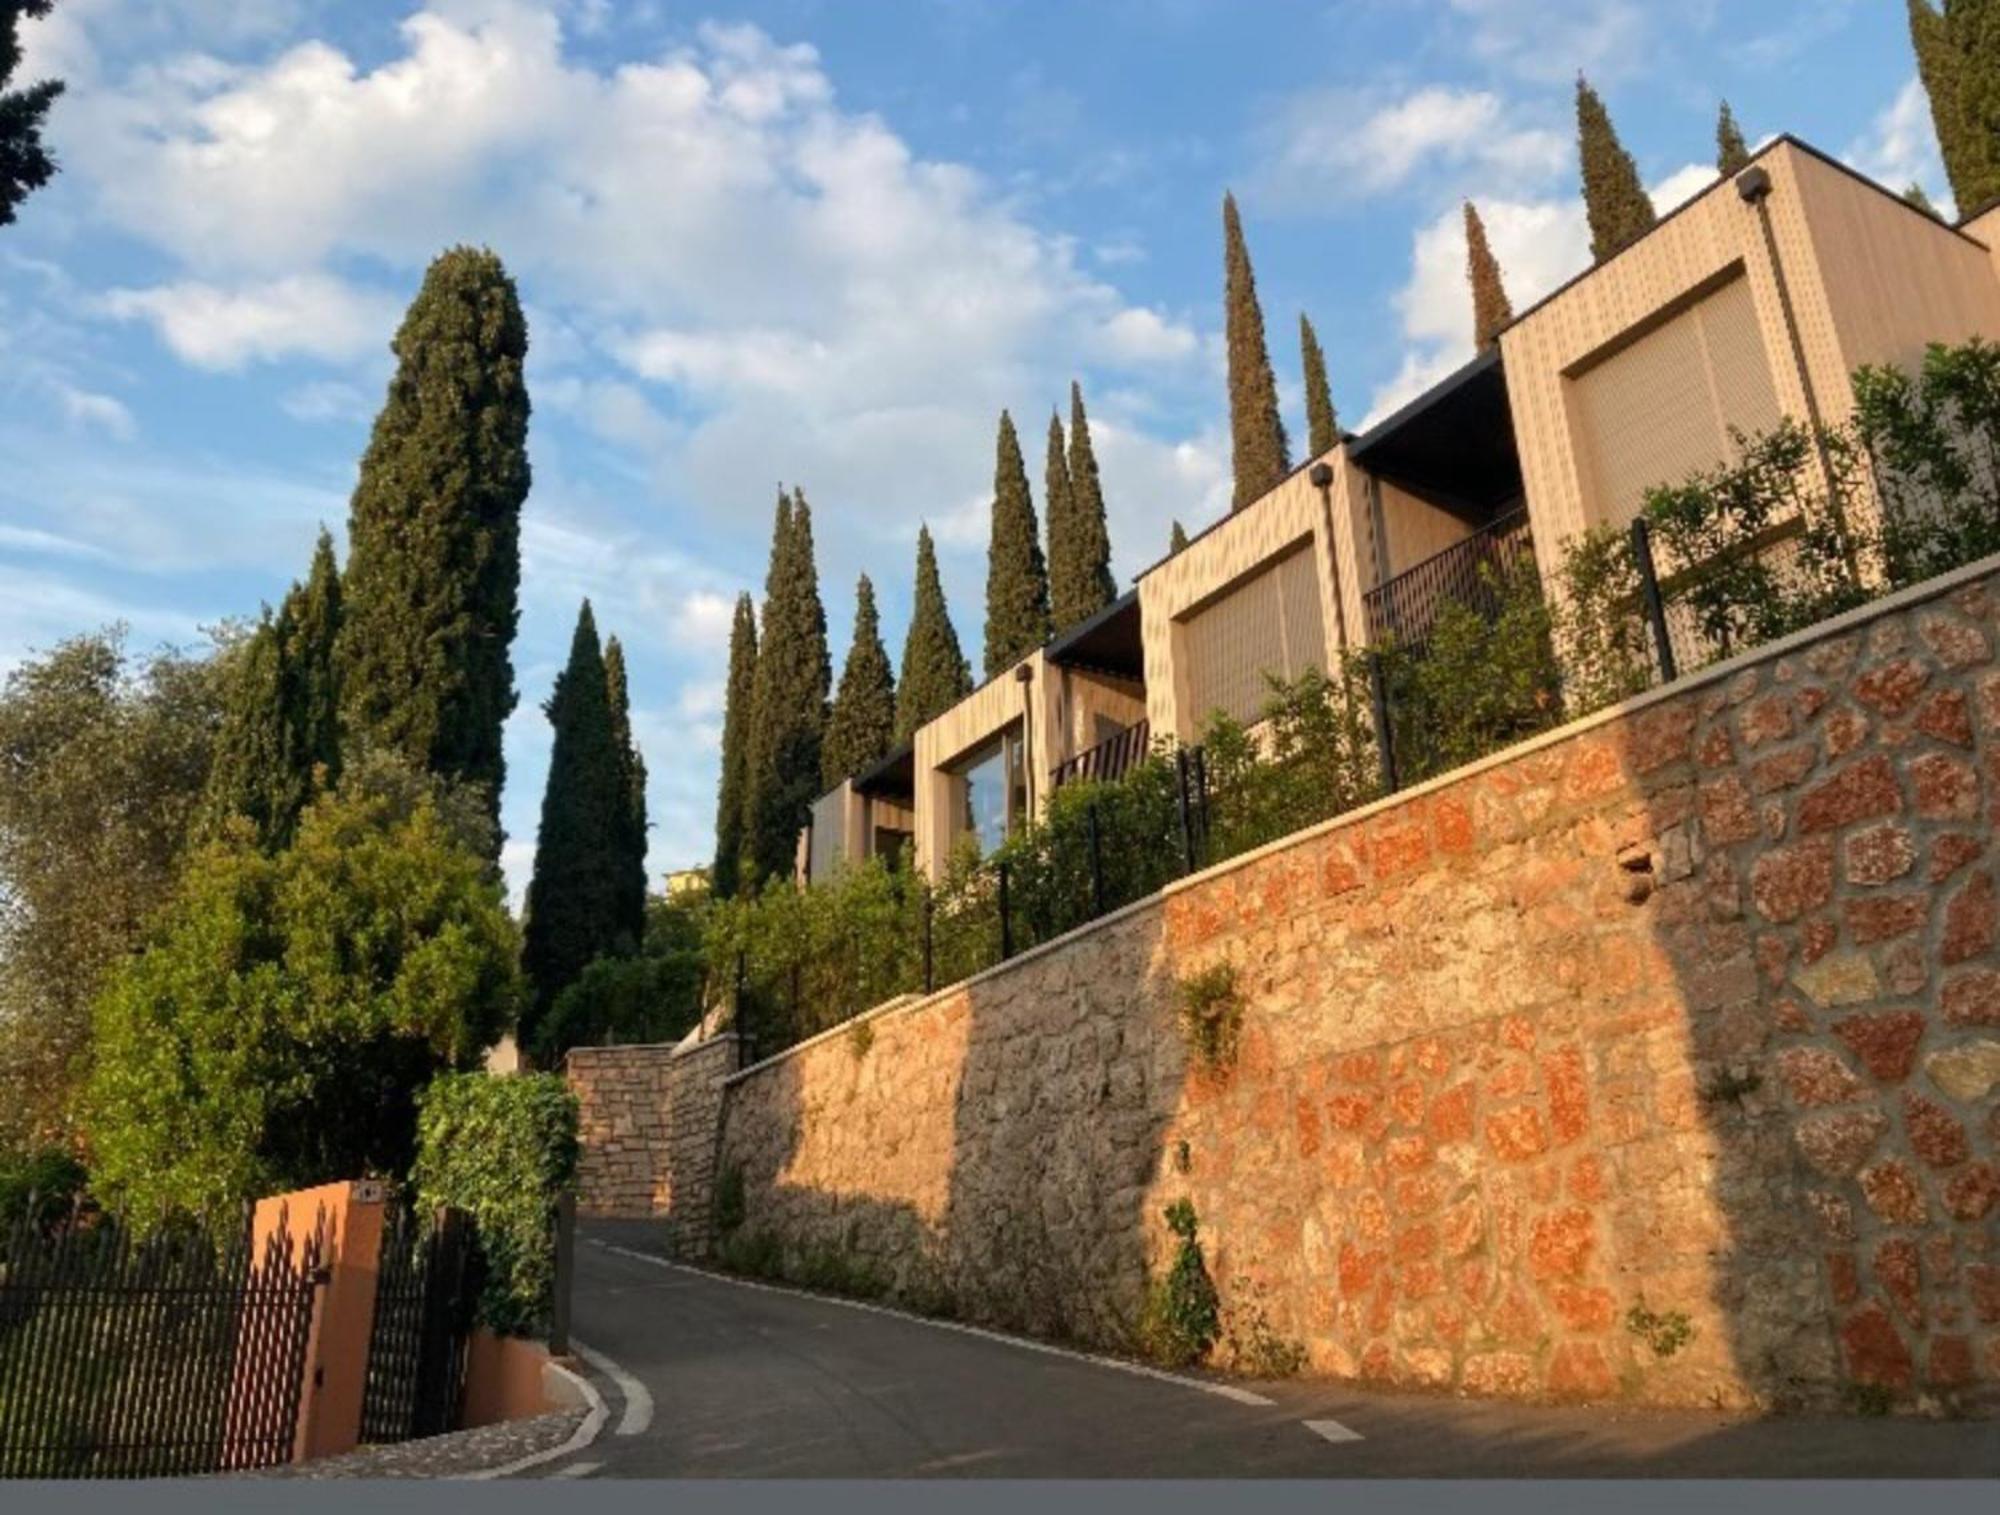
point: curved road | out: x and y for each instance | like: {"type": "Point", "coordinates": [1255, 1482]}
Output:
{"type": "Point", "coordinates": [723, 1378]}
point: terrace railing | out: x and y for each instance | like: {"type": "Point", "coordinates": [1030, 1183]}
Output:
{"type": "Point", "coordinates": [1110, 759]}
{"type": "Point", "coordinates": [1406, 607]}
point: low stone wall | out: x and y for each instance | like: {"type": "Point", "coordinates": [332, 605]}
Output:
{"type": "Point", "coordinates": [1655, 1060]}
{"type": "Point", "coordinates": [649, 1119]}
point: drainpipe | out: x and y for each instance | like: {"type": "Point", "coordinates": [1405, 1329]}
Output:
{"type": "Point", "coordinates": [1321, 478]}
{"type": "Point", "coordinates": [1025, 677]}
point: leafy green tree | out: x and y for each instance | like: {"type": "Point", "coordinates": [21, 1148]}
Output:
{"type": "Point", "coordinates": [731, 799]}
{"type": "Point", "coordinates": [25, 164]}
{"type": "Point", "coordinates": [104, 761]}
{"type": "Point", "coordinates": [575, 894]}
{"type": "Point", "coordinates": [935, 675]}
{"type": "Point", "coordinates": [862, 726]}
{"type": "Point", "coordinates": [1958, 57]}
{"type": "Point", "coordinates": [1490, 307]}
{"type": "Point", "coordinates": [434, 561]}
{"type": "Point", "coordinates": [788, 703]}
{"type": "Point", "coordinates": [289, 1006]}
{"type": "Point", "coordinates": [1017, 576]}
{"type": "Point", "coordinates": [1322, 425]}
{"type": "Point", "coordinates": [279, 742]}
{"type": "Point", "coordinates": [1614, 201]}
{"type": "Point", "coordinates": [631, 913]}
{"type": "Point", "coordinates": [1259, 452]}
{"type": "Point", "coordinates": [1080, 581]}
{"type": "Point", "coordinates": [1732, 153]}
{"type": "Point", "coordinates": [655, 996]}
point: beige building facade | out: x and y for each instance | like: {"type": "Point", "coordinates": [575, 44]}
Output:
{"type": "Point", "coordinates": [1753, 302]}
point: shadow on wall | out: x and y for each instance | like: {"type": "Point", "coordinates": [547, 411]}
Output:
{"type": "Point", "coordinates": [1655, 1062]}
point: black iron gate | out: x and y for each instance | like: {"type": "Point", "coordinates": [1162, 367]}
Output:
{"type": "Point", "coordinates": [425, 1293]}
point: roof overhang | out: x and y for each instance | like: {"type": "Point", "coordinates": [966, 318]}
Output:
{"type": "Point", "coordinates": [1107, 642]}
{"type": "Point", "coordinates": [1453, 444]}
{"type": "Point", "coordinates": [894, 777]}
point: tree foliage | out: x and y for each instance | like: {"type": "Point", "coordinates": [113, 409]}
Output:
{"type": "Point", "coordinates": [653, 996]}
{"type": "Point", "coordinates": [25, 163]}
{"type": "Point", "coordinates": [1322, 425]}
{"type": "Point", "coordinates": [1491, 309]}
{"type": "Point", "coordinates": [1258, 450]}
{"type": "Point", "coordinates": [1177, 538]}
{"type": "Point", "coordinates": [1017, 576]}
{"type": "Point", "coordinates": [1732, 153]}
{"type": "Point", "coordinates": [288, 1007]}
{"type": "Point", "coordinates": [862, 725]}
{"type": "Point", "coordinates": [1958, 57]}
{"type": "Point", "coordinates": [104, 761]}
{"type": "Point", "coordinates": [631, 857]}
{"type": "Point", "coordinates": [788, 701]}
{"type": "Point", "coordinates": [732, 790]}
{"type": "Point", "coordinates": [575, 897]}
{"type": "Point", "coordinates": [1080, 581]}
{"type": "Point", "coordinates": [935, 675]}
{"type": "Point", "coordinates": [1615, 202]}
{"type": "Point", "coordinates": [434, 561]}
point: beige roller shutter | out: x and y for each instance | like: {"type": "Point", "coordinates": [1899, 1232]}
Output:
{"type": "Point", "coordinates": [1270, 622]}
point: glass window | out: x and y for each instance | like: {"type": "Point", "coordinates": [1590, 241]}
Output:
{"type": "Point", "coordinates": [992, 784]}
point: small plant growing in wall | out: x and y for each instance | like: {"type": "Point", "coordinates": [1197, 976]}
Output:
{"type": "Point", "coordinates": [1183, 1316]}
{"type": "Point", "coordinates": [1666, 1332]}
{"type": "Point", "coordinates": [729, 1200]}
{"type": "Point", "coordinates": [1211, 1014]}
{"type": "Point", "coordinates": [861, 1037]}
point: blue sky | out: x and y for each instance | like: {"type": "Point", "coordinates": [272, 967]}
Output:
{"type": "Point", "coordinates": [797, 241]}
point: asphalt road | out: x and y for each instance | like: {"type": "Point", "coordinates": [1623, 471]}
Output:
{"type": "Point", "coordinates": [726, 1379]}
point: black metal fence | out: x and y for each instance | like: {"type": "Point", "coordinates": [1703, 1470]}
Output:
{"type": "Point", "coordinates": [1406, 607]}
{"type": "Point", "coordinates": [130, 1356]}
{"type": "Point", "coordinates": [425, 1294]}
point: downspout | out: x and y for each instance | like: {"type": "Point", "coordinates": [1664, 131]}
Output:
{"type": "Point", "coordinates": [1321, 479]}
{"type": "Point", "coordinates": [1025, 677]}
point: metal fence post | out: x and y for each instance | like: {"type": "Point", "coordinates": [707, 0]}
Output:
{"type": "Point", "coordinates": [1649, 596]}
{"type": "Point", "coordinates": [1385, 736]}
{"type": "Point", "coordinates": [1200, 761]}
{"type": "Point", "coordinates": [1006, 924]}
{"type": "Point", "coordinates": [1187, 810]}
{"type": "Point", "coordinates": [565, 1273]}
{"type": "Point", "coordinates": [1096, 863]}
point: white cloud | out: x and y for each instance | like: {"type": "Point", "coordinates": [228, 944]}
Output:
{"type": "Point", "coordinates": [1900, 147]}
{"type": "Point", "coordinates": [1138, 336]}
{"type": "Point", "coordinates": [1681, 186]}
{"type": "Point", "coordinates": [89, 411]}
{"type": "Point", "coordinates": [1321, 145]}
{"type": "Point", "coordinates": [1550, 40]}
{"type": "Point", "coordinates": [313, 314]}
{"type": "Point", "coordinates": [327, 400]}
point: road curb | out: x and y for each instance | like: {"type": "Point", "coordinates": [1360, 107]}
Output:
{"type": "Point", "coordinates": [587, 1432]}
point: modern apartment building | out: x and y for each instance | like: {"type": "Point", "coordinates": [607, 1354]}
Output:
{"type": "Point", "coordinates": [1754, 301]}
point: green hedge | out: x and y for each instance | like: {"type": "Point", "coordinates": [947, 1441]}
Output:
{"type": "Point", "coordinates": [502, 1150]}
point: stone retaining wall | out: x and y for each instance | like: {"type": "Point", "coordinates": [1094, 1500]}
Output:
{"type": "Point", "coordinates": [1656, 1060]}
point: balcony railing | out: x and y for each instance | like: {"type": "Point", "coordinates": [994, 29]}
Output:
{"type": "Point", "coordinates": [1406, 607]}
{"type": "Point", "coordinates": [1109, 759]}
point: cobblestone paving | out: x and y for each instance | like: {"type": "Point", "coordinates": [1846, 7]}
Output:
{"type": "Point", "coordinates": [450, 1456]}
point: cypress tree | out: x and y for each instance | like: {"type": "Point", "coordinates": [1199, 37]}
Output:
{"type": "Point", "coordinates": [862, 726]}
{"type": "Point", "coordinates": [312, 659]}
{"type": "Point", "coordinates": [1017, 576]}
{"type": "Point", "coordinates": [1958, 58]}
{"type": "Point", "coordinates": [434, 561]}
{"type": "Point", "coordinates": [1614, 200]}
{"type": "Point", "coordinates": [1258, 449]}
{"type": "Point", "coordinates": [631, 859]}
{"type": "Point", "coordinates": [1732, 153]}
{"type": "Point", "coordinates": [788, 701]}
{"type": "Point", "coordinates": [573, 896]}
{"type": "Point", "coordinates": [25, 164]}
{"type": "Point", "coordinates": [1178, 540]}
{"type": "Point", "coordinates": [732, 790]}
{"type": "Point", "coordinates": [1080, 581]}
{"type": "Point", "coordinates": [1490, 308]}
{"type": "Point", "coordinates": [1913, 194]}
{"type": "Point", "coordinates": [935, 675]}
{"type": "Point", "coordinates": [1322, 425]}
{"type": "Point", "coordinates": [1061, 520]}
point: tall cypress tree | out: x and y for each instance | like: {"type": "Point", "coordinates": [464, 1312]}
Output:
{"type": "Point", "coordinates": [574, 893]}
{"type": "Point", "coordinates": [25, 164]}
{"type": "Point", "coordinates": [1958, 58]}
{"type": "Point", "coordinates": [1490, 307]}
{"type": "Point", "coordinates": [1093, 587]}
{"type": "Point", "coordinates": [1178, 540]}
{"type": "Point", "coordinates": [1322, 425]}
{"type": "Point", "coordinates": [788, 703]}
{"type": "Point", "coordinates": [1731, 151]}
{"type": "Point", "coordinates": [1017, 576]}
{"type": "Point", "coordinates": [278, 742]}
{"type": "Point", "coordinates": [862, 726]}
{"type": "Point", "coordinates": [434, 561]}
{"type": "Point", "coordinates": [631, 859]}
{"type": "Point", "coordinates": [1614, 201]}
{"type": "Point", "coordinates": [731, 798]}
{"type": "Point", "coordinates": [1258, 450]}
{"type": "Point", "coordinates": [935, 675]}
{"type": "Point", "coordinates": [1061, 520]}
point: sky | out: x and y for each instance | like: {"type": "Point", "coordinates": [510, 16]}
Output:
{"type": "Point", "coordinates": [793, 242]}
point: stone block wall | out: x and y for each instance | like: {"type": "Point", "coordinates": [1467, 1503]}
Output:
{"type": "Point", "coordinates": [649, 1120]}
{"type": "Point", "coordinates": [1657, 1060]}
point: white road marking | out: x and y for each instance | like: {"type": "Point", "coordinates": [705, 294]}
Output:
{"type": "Point", "coordinates": [585, 1433]}
{"type": "Point", "coordinates": [1332, 1430]}
{"type": "Point", "coordinates": [638, 1403]}
{"type": "Point", "coordinates": [577, 1470]}
{"type": "Point", "coordinates": [1026, 1344]}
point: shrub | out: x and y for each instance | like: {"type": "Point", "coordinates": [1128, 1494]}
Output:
{"type": "Point", "coordinates": [1934, 442]}
{"type": "Point", "coordinates": [1211, 1015]}
{"type": "Point", "coordinates": [502, 1150]}
{"type": "Point", "coordinates": [655, 996]}
{"type": "Point", "coordinates": [1314, 757]}
{"type": "Point", "coordinates": [38, 1186]}
{"type": "Point", "coordinates": [1182, 1316]}
{"type": "Point", "coordinates": [288, 1008]}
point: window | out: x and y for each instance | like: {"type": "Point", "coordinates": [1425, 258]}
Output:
{"type": "Point", "coordinates": [1661, 407]}
{"type": "Point", "coordinates": [1267, 623]}
{"type": "Point", "coordinates": [991, 785]}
